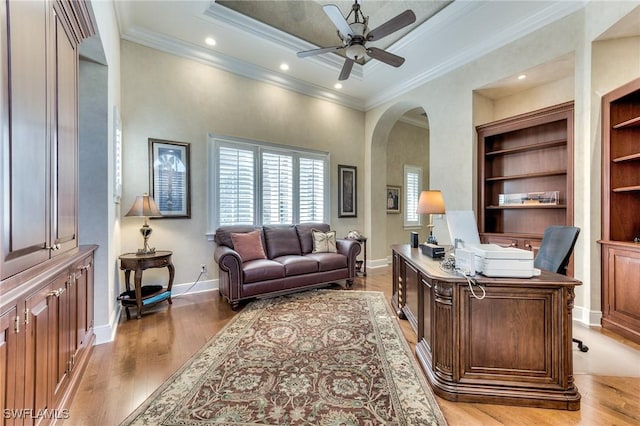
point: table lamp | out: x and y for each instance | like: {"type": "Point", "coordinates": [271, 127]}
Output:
{"type": "Point", "coordinates": [431, 202]}
{"type": "Point", "coordinates": [146, 207]}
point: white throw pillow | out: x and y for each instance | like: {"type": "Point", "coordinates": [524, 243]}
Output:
{"type": "Point", "coordinates": [324, 242]}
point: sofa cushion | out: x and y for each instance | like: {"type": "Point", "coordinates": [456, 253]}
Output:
{"type": "Point", "coordinates": [329, 261]}
{"type": "Point", "coordinates": [281, 241]}
{"type": "Point", "coordinates": [304, 235]}
{"type": "Point", "coordinates": [223, 234]}
{"type": "Point", "coordinates": [248, 245]}
{"type": "Point", "coordinates": [262, 270]}
{"type": "Point", "coordinates": [324, 242]}
{"type": "Point", "coordinates": [297, 265]}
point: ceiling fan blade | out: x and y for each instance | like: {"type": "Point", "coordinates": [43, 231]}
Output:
{"type": "Point", "coordinates": [394, 24]}
{"type": "Point", "coordinates": [333, 12]}
{"type": "Point", "coordinates": [312, 52]}
{"type": "Point", "coordinates": [386, 57]}
{"type": "Point", "coordinates": [346, 69]}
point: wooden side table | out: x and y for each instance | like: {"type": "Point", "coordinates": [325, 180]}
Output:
{"type": "Point", "coordinates": [138, 263]}
{"type": "Point", "coordinates": [363, 269]}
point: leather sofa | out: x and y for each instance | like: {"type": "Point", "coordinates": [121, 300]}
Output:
{"type": "Point", "coordinates": [289, 263]}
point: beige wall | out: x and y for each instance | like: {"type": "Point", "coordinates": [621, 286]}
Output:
{"type": "Point", "coordinates": [454, 110]}
{"type": "Point", "coordinates": [168, 97]}
{"type": "Point", "coordinates": [407, 145]}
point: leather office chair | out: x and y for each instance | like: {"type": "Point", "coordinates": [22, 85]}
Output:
{"type": "Point", "coordinates": [555, 252]}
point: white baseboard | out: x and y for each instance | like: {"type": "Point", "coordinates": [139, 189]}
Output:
{"type": "Point", "coordinates": [107, 333]}
{"type": "Point", "coordinates": [378, 263]}
{"type": "Point", "coordinates": [586, 317]}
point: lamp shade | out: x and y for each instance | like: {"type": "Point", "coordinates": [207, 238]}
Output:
{"type": "Point", "coordinates": [430, 202]}
{"type": "Point", "coordinates": [144, 206]}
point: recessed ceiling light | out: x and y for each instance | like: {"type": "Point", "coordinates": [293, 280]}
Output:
{"type": "Point", "coordinates": [522, 76]}
{"type": "Point", "coordinates": [338, 85]}
{"type": "Point", "coordinates": [284, 67]}
{"type": "Point", "coordinates": [210, 41]}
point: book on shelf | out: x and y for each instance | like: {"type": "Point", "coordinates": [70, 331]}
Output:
{"type": "Point", "coordinates": [529, 198]}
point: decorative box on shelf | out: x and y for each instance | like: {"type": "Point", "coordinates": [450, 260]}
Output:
{"type": "Point", "coordinates": [544, 197]}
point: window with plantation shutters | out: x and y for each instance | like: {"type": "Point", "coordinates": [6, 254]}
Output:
{"type": "Point", "coordinates": [255, 183]}
{"type": "Point", "coordinates": [413, 185]}
{"type": "Point", "coordinates": [312, 190]}
{"type": "Point", "coordinates": [277, 188]}
{"type": "Point", "coordinates": [236, 182]}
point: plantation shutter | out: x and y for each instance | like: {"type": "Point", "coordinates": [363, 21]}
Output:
{"type": "Point", "coordinates": [277, 188]}
{"type": "Point", "coordinates": [312, 190]}
{"type": "Point", "coordinates": [236, 186]}
{"type": "Point", "coordinates": [412, 183]}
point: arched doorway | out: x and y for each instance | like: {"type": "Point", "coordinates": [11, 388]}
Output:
{"type": "Point", "coordinates": [399, 143]}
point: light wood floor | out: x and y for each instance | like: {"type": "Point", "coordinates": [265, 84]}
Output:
{"type": "Point", "coordinates": [123, 373]}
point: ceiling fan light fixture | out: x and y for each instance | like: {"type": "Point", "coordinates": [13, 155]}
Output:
{"type": "Point", "coordinates": [358, 29]}
{"type": "Point", "coordinates": [355, 51]}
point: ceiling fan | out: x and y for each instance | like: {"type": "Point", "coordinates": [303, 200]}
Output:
{"type": "Point", "coordinates": [355, 35]}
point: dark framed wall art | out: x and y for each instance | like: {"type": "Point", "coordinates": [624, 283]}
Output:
{"type": "Point", "coordinates": [394, 195]}
{"type": "Point", "coordinates": [347, 191]}
{"type": "Point", "coordinates": [169, 170]}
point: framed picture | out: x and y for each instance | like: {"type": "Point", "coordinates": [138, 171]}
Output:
{"type": "Point", "coordinates": [347, 191]}
{"type": "Point", "coordinates": [169, 177]}
{"type": "Point", "coordinates": [393, 199]}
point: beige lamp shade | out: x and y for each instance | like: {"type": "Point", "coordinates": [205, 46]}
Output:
{"type": "Point", "coordinates": [144, 206]}
{"type": "Point", "coordinates": [430, 202]}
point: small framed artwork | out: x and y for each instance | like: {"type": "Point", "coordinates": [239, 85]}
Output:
{"type": "Point", "coordinates": [169, 177]}
{"type": "Point", "coordinates": [347, 191]}
{"type": "Point", "coordinates": [393, 199]}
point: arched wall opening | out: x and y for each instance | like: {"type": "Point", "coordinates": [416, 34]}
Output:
{"type": "Point", "coordinates": [400, 137]}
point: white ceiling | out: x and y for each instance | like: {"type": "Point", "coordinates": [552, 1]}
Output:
{"type": "Point", "coordinates": [459, 33]}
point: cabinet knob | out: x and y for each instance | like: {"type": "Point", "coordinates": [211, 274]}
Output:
{"type": "Point", "coordinates": [528, 245]}
{"type": "Point", "coordinates": [53, 247]}
{"type": "Point", "coordinates": [513, 244]}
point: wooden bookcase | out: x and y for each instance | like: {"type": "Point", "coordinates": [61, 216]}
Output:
{"type": "Point", "coordinates": [620, 207]}
{"type": "Point", "coordinates": [528, 153]}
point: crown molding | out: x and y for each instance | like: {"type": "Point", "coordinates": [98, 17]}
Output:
{"type": "Point", "coordinates": [434, 29]}
{"type": "Point", "coordinates": [556, 10]}
{"type": "Point", "coordinates": [236, 66]}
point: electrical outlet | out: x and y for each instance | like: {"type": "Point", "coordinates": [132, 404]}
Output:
{"type": "Point", "coordinates": [203, 268]}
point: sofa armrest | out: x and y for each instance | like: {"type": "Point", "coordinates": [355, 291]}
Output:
{"type": "Point", "coordinates": [230, 271]}
{"type": "Point", "coordinates": [350, 248]}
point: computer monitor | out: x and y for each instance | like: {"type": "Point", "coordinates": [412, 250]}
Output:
{"type": "Point", "coordinates": [462, 227]}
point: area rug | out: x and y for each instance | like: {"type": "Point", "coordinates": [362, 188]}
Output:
{"type": "Point", "coordinates": [322, 357]}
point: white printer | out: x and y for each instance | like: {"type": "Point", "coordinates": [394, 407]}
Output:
{"type": "Point", "coordinates": [491, 260]}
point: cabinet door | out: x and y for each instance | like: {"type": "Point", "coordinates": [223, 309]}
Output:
{"type": "Point", "coordinates": [40, 347]}
{"type": "Point", "coordinates": [84, 302]}
{"type": "Point", "coordinates": [411, 308]}
{"type": "Point", "coordinates": [25, 141]}
{"type": "Point", "coordinates": [64, 155]}
{"type": "Point", "coordinates": [8, 366]}
{"type": "Point", "coordinates": [424, 326]}
{"type": "Point", "coordinates": [65, 341]}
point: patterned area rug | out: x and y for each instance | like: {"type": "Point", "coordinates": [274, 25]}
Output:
{"type": "Point", "coordinates": [324, 357]}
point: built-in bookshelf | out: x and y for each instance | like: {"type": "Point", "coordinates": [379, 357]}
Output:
{"type": "Point", "coordinates": [620, 207]}
{"type": "Point", "coordinates": [527, 154]}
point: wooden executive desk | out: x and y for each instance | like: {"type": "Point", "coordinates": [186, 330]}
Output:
{"type": "Point", "coordinates": [513, 347]}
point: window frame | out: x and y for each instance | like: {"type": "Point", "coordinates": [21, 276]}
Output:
{"type": "Point", "coordinates": [258, 148]}
{"type": "Point", "coordinates": [407, 223]}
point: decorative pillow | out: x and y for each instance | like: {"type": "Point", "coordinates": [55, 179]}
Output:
{"type": "Point", "coordinates": [248, 245]}
{"type": "Point", "coordinates": [324, 242]}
